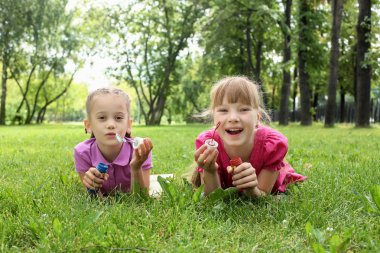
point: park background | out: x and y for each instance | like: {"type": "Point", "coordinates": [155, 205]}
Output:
{"type": "Point", "coordinates": [317, 65]}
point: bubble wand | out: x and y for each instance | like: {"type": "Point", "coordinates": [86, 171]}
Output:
{"type": "Point", "coordinates": [135, 143]}
{"type": "Point", "coordinates": [211, 143]}
{"type": "Point", "coordinates": [102, 168]}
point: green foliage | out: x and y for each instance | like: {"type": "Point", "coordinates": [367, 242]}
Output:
{"type": "Point", "coordinates": [149, 44]}
{"type": "Point", "coordinates": [372, 201]}
{"type": "Point", "coordinates": [43, 206]}
{"type": "Point", "coordinates": [321, 241]}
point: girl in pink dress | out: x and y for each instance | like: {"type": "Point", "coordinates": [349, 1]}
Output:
{"type": "Point", "coordinates": [262, 170]}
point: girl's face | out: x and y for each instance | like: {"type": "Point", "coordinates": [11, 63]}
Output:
{"type": "Point", "coordinates": [108, 116]}
{"type": "Point", "coordinates": [238, 123]}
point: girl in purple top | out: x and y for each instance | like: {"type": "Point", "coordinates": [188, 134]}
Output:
{"type": "Point", "coordinates": [108, 114]}
{"type": "Point", "coordinates": [235, 107]}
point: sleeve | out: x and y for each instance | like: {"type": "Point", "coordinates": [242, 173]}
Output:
{"type": "Point", "coordinates": [200, 140]}
{"type": "Point", "coordinates": [148, 162]}
{"type": "Point", "coordinates": [82, 160]}
{"type": "Point", "coordinates": [275, 149]}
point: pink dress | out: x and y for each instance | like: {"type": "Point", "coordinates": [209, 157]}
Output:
{"type": "Point", "coordinates": [269, 150]}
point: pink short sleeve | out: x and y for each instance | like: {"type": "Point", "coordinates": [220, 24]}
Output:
{"type": "Point", "coordinates": [275, 149]}
{"type": "Point", "coordinates": [202, 138]}
{"type": "Point", "coordinates": [82, 158]}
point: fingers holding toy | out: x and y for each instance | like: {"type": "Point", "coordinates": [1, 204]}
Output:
{"type": "Point", "coordinates": [244, 176]}
{"type": "Point", "coordinates": [206, 158]}
{"type": "Point", "coordinates": [94, 179]}
{"type": "Point", "coordinates": [199, 152]}
{"type": "Point", "coordinates": [141, 152]}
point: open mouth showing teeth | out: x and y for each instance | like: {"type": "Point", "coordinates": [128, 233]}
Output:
{"type": "Point", "coordinates": [234, 131]}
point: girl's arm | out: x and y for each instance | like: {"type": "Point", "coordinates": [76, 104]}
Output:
{"type": "Point", "coordinates": [139, 177]}
{"type": "Point", "coordinates": [265, 183]}
{"type": "Point", "coordinates": [206, 159]}
{"type": "Point", "coordinates": [245, 178]}
{"type": "Point", "coordinates": [211, 182]}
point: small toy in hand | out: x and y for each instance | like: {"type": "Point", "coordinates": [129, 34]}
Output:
{"type": "Point", "coordinates": [211, 143]}
{"type": "Point", "coordinates": [120, 139]}
{"type": "Point", "coordinates": [137, 141]}
{"type": "Point", "coordinates": [102, 168]}
{"type": "Point", "coordinates": [234, 162]}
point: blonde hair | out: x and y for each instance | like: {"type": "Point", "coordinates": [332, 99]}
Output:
{"type": "Point", "coordinates": [237, 89]}
{"type": "Point", "coordinates": [106, 91]}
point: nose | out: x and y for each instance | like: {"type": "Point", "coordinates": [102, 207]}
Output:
{"type": "Point", "coordinates": [233, 116]}
{"type": "Point", "coordinates": [110, 124]}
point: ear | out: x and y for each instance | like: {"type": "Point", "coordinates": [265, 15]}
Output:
{"type": "Point", "coordinates": [129, 127]}
{"type": "Point", "coordinates": [87, 126]}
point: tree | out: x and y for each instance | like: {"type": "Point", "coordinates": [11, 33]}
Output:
{"type": "Point", "coordinates": [12, 25]}
{"type": "Point", "coordinates": [303, 75]}
{"type": "Point", "coordinates": [362, 112]}
{"type": "Point", "coordinates": [238, 36]}
{"type": "Point", "coordinates": [286, 81]}
{"type": "Point", "coordinates": [312, 55]}
{"type": "Point", "coordinates": [336, 10]}
{"type": "Point", "coordinates": [52, 41]}
{"type": "Point", "coordinates": [150, 42]}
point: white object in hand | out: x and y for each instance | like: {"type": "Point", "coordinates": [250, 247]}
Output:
{"type": "Point", "coordinates": [211, 144]}
{"type": "Point", "coordinates": [137, 141]}
{"type": "Point", "coordinates": [119, 138]}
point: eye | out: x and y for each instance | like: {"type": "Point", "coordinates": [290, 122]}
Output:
{"type": "Point", "coordinates": [221, 110]}
{"type": "Point", "coordinates": [245, 109]}
{"type": "Point", "coordinates": [102, 117]}
{"type": "Point", "coordinates": [119, 118]}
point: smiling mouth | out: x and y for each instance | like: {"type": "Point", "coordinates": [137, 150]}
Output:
{"type": "Point", "coordinates": [234, 131]}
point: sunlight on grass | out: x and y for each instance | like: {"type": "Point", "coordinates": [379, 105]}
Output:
{"type": "Point", "coordinates": [43, 206]}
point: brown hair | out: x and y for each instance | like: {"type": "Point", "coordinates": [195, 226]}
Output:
{"type": "Point", "coordinates": [106, 91]}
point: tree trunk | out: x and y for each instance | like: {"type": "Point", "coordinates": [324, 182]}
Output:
{"type": "Point", "coordinates": [42, 111]}
{"type": "Point", "coordinates": [286, 78]}
{"type": "Point", "coordinates": [342, 104]}
{"type": "Point", "coordinates": [273, 97]}
{"type": "Point", "coordinates": [302, 72]}
{"type": "Point", "coordinates": [4, 78]}
{"type": "Point", "coordinates": [336, 9]}
{"type": "Point", "coordinates": [315, 103]}
{"type": "Point", "coordinates": [362, 112]}
{"type": "Point", "coordinates": [294, 94]}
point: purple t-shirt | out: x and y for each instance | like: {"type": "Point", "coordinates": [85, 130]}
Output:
{"type": "Point", "coordinates": [269, 150]}
{"type": "Point", "coordinates": [87, 155]}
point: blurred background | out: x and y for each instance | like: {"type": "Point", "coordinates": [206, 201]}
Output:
{"type": "Point", "coordinates": [313, 60]}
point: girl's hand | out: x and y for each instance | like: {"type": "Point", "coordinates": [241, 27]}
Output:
{"type": "Point", "coordinates": [140, 154]}
{"type": "Point", "coordinates": [206, 158]}
{"type": "Point", "coordinates": [244, 176]}
{"type": "Point", "coordinates": [93, 179]}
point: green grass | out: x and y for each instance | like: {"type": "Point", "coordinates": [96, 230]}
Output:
{"type": "Point", "coordinates": [44, 208]}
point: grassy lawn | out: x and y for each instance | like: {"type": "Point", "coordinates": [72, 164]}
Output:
{"type": "Point", "coordinates": [44, 208]}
